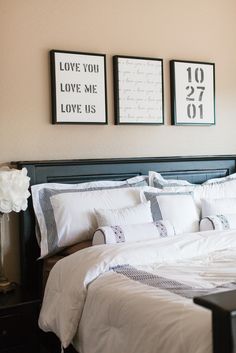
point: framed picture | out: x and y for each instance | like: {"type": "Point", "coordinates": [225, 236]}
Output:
{"type": "Point", "coordinates": [78, 84]}
{"type": "Point", "coordinates": [192, 93]}
{"type": "Point", "coordinates": [138, 90]}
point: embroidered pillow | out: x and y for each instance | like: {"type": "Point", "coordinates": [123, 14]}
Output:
{"type": "Point", "coordinates": [218, 222]}
{"type": "Point", "coordinates": [132, 233]}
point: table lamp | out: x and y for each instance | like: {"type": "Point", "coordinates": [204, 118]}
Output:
{"type": "Point", "coordinates": [14, 185]}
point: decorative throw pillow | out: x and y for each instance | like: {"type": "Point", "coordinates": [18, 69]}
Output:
{"type": "Point", "coordinates": [132, 233]}
{"type": "Point", "coordinates": [178, 208]}
{"type": "Point", "coordinates": [129, 215]}
{"type": "Point", "coordinates": [218, 222]}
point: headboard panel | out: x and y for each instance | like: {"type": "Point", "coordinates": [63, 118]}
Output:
{"type": "Point", "coordinates": [194, 169]}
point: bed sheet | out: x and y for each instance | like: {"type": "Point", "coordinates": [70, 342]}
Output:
{"type": "Point", "coordinates": [138, 297]}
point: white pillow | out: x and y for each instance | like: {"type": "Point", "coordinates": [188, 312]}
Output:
{"type": "Point", "coordinates": [178, 208]}
{"type": "Point", "coordinates": [218, 222]}
{"type": "Point", "coordinates": [212, 189]}
{"type": "Point", "coordinates": [129, 215]}
{"type": "Point", "coordinates": [218, 206]}
{"type": "Point", "coordinates": [51, 238]}
{"type": "Point", "coordinates": [132, 233]}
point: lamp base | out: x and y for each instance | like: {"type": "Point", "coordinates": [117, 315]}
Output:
{"type": "Point", "coordinates": [6, 286]}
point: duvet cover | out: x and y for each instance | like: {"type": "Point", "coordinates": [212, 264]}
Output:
{"type": "Point", "coordinates": [138, 297]}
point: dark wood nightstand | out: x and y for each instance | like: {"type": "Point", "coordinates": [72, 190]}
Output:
{"type": "Point", "coordinates": [19, 331]}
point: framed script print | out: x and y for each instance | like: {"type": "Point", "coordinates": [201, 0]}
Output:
{"type": "Point", "coordinates": [138, 90]}
{"type": "Point", "coordinates": [78, 83]}
{"type": "Point", "coordinates": [192, 92]}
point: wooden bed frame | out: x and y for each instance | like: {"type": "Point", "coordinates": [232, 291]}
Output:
{"type": "Point", "coordinates": [194, 169]}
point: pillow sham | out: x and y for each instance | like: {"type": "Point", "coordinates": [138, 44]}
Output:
{"type": "Point", "coordinates": [218, 206]}
{"type": "Point", "coordinates": [218, 222]}
{"type": "Point", "coordinates": [211, 189]}
{"type": "Point", "coordinates": [215, 189]}
{"type": "Point", "coordinates": [138, 181]}
{"type": "Point", "coordinates": [52, 203]}
{"type": "Point", "coordinates": [179, 208]}
{"type": "Point", "coordinates": [156, 180]}
{"type": "Point", "coordinates": [129, 215]}
{"type": "Point", "coordinates": [221, 180]}
{"type": "Point", "coordinates": [40, 191]}
{"type": "Point", "coordinates": [132, 233]}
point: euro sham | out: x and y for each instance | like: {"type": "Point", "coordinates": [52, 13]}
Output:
{"type": "Point", "coordinates": [61, 225]}
{"type": "Point", "coordinates": [211, 189]}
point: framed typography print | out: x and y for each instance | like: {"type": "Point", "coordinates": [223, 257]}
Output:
{"type": "Point", "coordinates": [138, 90]}
{"type": "Point", "coordinates": [192, 92]}
{"type": "Point", "coordinates": [78, 84]}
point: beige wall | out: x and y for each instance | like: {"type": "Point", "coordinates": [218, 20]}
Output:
{"type": "Point", "coordinates": [201, 30]}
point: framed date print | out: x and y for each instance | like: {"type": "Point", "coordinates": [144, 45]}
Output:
{"type": "Point", "coordinates": [192, 93]}
{"type": "Point", "coordinates": [78, 82]}
{"type": "Point", "coordinates": [138, 90]}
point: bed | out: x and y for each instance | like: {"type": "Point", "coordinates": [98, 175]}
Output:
{"type": "Point", "coordinates": [194, 169]}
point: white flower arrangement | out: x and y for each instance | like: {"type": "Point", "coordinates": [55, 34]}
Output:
{"type": "Point", "coordinates": [14, 185]}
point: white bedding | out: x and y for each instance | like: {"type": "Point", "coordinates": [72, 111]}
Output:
{"type": "Point", "coordinates": [104, 311]}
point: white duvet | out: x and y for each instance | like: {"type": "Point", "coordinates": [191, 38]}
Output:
{"type": "Point", "coordinates": [88, 302]}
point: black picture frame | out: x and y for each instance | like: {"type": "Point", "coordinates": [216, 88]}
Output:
{"type": "Point", "coordinates": [192, 86]}
{"type": "Point", "coordinates": [138, 90]}
{"type": "Point", "coordinates": [78, 87]}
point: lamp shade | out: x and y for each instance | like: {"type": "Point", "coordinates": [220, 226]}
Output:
{"type": "Point", "coordinates": [14, 185]}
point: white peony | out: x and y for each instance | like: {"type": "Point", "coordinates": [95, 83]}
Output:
{"type": "Point", "coordinates": [14, 185]}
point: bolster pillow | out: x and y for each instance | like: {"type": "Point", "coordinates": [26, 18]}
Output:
{"type": "Point", "coordinates": [133, 233]}
{"type": "Point", "coordinates": [218, 222]}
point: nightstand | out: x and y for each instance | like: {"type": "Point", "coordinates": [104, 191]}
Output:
{"type": "Point", "coordinates": [19, 331]}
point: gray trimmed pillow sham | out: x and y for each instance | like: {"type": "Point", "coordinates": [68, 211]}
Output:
{"type": "Point", "coordinates": [48, 202]}
{"type": "Point", "coordinates": [178, 208]}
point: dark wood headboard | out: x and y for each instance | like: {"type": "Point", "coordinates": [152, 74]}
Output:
{"type": "Point", "coordinates": [194, 169]}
